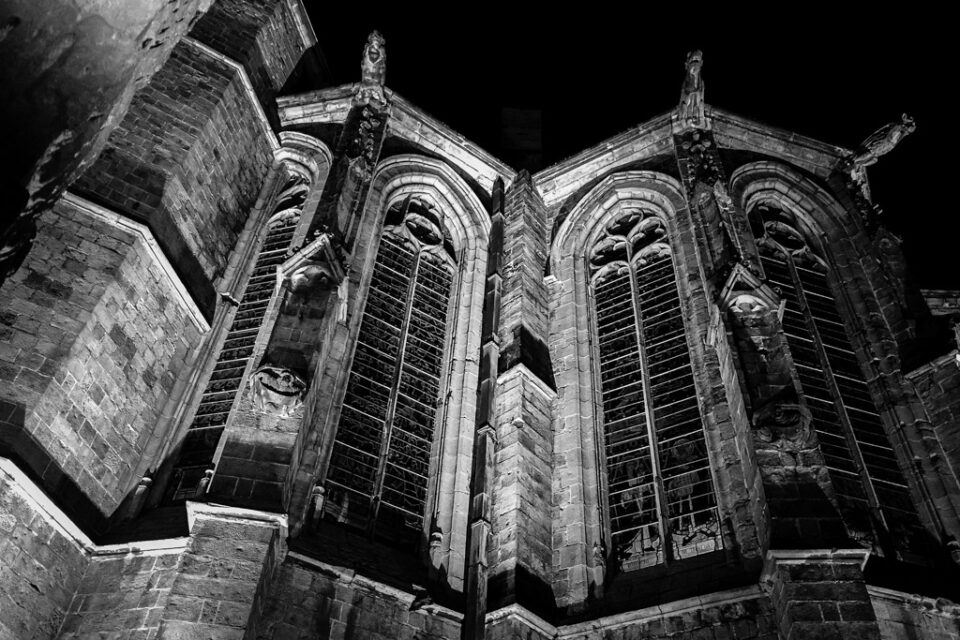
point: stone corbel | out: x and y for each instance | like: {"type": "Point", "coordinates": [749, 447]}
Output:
{"type": "Point", "coordinates": [313, 268]}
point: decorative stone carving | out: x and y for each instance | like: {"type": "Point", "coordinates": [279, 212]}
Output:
{"type": "Point", "coordinates": [746, 304]}
{"type": "Point", "coordinates": [277, 391]}
{"type": "Point", "coordinates": [309, 276]}
{"type": "Point", "coordinates": [690, 111]}
{"type": "Point", "coordinates": [725, 207]}
{"type": "Point", "coordinates": [373, 72]}
{"type": "Point", "coordinates": [879, 143]}
{"type": "Point", "coordinates": [784, 424]}
{"type": "Point", "coordinates": [698, 159]}
{"type": "Point", "coordinates": [316, 506]}
{"type": "Point", "coordinates": [883, 141]}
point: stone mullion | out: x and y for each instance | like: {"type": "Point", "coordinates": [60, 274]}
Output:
{"type": "Point", "coordinates": [890, 386]}
{"type": "Point", "coordinates": [659, 492]}
{"type": "Point", "coordinates": [394, 396]}
{"type": "Point", "coordinates": [840, 407]}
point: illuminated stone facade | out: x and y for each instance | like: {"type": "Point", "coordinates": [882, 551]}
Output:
{"type": "Point", "coordinates": [317, 366]}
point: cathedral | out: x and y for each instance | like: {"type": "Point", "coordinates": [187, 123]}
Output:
{"type": "Point", "coordinates": [282, 365]}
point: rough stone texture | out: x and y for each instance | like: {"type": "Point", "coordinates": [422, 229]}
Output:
{"type": "Point", "coordinates": [40, 568]}
{"type": "Point", "coordinates": [938, 387]}
{"type": "Point", "coordinates": [902, 617]}
{"type": "Point", "coordinates": [261, 35]}
{"type": "Point", "coordinates": [821, 598]}
{"type": "Point", "coordinates": [306, 604]}
{"type": "Point", "coordinates": [744, 619]}
{"type": "Point", "coordinates": [521, 551]}
{"type": "Point", "coordinates": [219, 589]}
{"type": "Point", "coordinates": [188, 160]}
{"type": "Point", "coordinates": [121, 594]}
{"type": "Point", "coordinates": [94, 336]}
{"type": "Point", "coordinates": [77, 65]}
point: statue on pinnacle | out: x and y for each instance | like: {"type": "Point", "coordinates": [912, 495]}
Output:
{"type": "Point", "coordinates": [373, 72]}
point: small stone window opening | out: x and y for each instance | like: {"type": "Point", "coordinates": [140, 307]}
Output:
{"type": "Point", "coordinates": [871, 488]}
{"type": "Point", "coordinates": [378, 475]}
{"type": "Point", "coordinates": [661, 500]}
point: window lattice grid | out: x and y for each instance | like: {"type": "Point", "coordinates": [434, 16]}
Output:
{"type": "Point", "coordinates": [377, 477]}
{"type": "Point", "coordinates": [845, 416]}
{"type": "Point", "coordinates": [659, 484]}
{"type": "Point", "coordinates": [203, 434]}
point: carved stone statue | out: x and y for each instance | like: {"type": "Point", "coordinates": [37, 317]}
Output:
{"type": "Point", "coordinates": [691, 96]}
{"type": "Point", "coordinates": [882, 141]}
{"type": "Point", "coordinates": [277, 391]}
{"type": "Point", "coordinates": [373, 72]}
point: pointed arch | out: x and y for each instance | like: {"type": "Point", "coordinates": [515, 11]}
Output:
{"type": "Point", "coordinates": [648, 485]}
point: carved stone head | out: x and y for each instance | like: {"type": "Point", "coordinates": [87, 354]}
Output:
{"type": "Point", "coordinates": [694, 62]}
{"type": "Point", "coordinates": [374, 49]}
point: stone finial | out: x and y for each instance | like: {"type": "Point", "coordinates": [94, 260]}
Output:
{"type": "Point", "coordinates": [882, 141]}
{"type": "Point", "coordinates": [373, 72]}
{"type": "Point", "coordinates": [690, 111]}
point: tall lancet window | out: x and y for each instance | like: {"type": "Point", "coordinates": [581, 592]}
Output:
{"type": "Point", "coordinates": [203, 435]}
{"type": "Point", "coordinates": [863, 466]}
{"type": "Point", "coordinates": [378, 474]}
{"type": "Point", "coordinates": [661, 500]}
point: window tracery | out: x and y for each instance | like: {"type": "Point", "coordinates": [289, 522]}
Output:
{"type": "Point", "coordinates": [377, 478]}
{"type": "Point", "coordinates": [210, 418]}
{"type": "Point", "coordinates": [870, 486]}
{"type": "Point", "coordinates": [658, 478]}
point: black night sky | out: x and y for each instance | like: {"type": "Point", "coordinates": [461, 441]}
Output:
{"type": "Point", "coordinates": [816, 72]}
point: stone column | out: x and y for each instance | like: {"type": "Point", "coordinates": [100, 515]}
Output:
{"type": "Point", "coordinates": [522, 549]}
{"type": "Point", "coordinates": [820, 594]}
{"type": "Point", "coordinates": [478, 534]}
{"type": "Point", "coordinates": [219, 589]}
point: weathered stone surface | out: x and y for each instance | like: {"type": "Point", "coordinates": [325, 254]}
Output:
{"type": "Point", "coordinates": [96, 334]}
{"type": "Point", "coordinates": [307, 603]}
{"type": "Point", "coordinates": [69, 72]}
{"type": "Point", "coordinates": [40, 567]}
{"type": "Point", "coordinates": [189, 161]}
{"type": "Point", "coordinates": [125, 593]}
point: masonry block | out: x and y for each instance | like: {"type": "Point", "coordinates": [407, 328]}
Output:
{"type": "Point", "coordinates": [97, 330]}
{"type": "Point", "coordinates": [266, 37]}
{"type": "Point", "coordinates": [820, 594]}
{"type": "Point", "coordinates": [188, 160]}
{"type": "Point", "coordinates": [40, 565]}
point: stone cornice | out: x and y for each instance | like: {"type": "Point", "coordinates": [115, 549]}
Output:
{"type": "Point", "coordinates": [153, 249]}
{"type": "Point", "coordinates": [262, 120]}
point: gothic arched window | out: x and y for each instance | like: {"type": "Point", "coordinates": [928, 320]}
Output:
{"type": "Point", "coordinates": [863, 465]}
{"type": "Point", "coordinates": [661, 500]}
{"type": "Point", "coordinates": [377, 478]}
{"type": "Point", "coordinates": [203, 435]}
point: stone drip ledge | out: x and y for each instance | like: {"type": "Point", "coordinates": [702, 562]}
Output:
{"type": "Point", "coordinates": [21, 485]}
{"type": "Point", "coordinates": [212, 511]}
{"type": "Point", "coordinates": [668, 610]}
{"type": "Point", "coordinates": [939, 606]}
{"type": "Point", "coordinates": [780, 557]}
{"type": "Point", "coordinates": [145, 235]}
{"type": "Point", "coordinates": [350, 577]}
{"type": "Point", "coordinates": [24, 487]}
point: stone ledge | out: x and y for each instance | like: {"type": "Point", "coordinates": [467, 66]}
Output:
{"type": "Point", "coordinates": [56, 518]}
{"type": "Point", "coordinates": [247, 87]}
{"type": "Point", "coordinates": [350, 577]}
{"type": "Point", "coordinates": [103, 214]}
{"type": "Point", "coordinates": [777, 557]}
{"type": "Point", "coordinates": [608, 623]}
{"type": "Point", "coordinates": [939, 606]}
